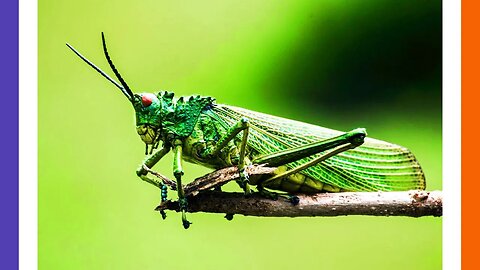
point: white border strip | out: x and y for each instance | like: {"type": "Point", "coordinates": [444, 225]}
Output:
{"type": "Point", "coordinates": [28, 134]}
{"type": "Point", "coordinates": [28, 177]}
{"type": "Point", "coordinates": [451, 134]}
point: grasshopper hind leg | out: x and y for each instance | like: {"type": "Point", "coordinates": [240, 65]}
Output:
{"type": "Point", "coordinates": [293, 199]}
{"type": "Point", "coordinates": [292, 180]}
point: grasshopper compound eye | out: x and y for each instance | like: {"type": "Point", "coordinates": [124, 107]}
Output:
{"type": "Point", "coordinates": [147, 99]}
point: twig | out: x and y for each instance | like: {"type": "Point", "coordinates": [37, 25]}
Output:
{"type": "Point", "coordinates": [414, 203]}
{"type": "Point", "coordinates": [407, 203]}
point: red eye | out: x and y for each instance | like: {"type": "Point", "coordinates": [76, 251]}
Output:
{"type": "Point", "coordinates": [147, 99]}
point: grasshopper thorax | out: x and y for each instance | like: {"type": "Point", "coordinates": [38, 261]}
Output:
{"type": "Point", "coordinates": [160, 114]}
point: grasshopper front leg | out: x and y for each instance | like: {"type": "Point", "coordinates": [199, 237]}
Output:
{"type": "Point", "coordinates": [177, 172]}
{"type": "Point", "coordinates": [149, 163]}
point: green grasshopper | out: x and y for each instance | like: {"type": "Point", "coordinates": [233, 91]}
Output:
{"type": "Point", "coordinates": [309, 158]}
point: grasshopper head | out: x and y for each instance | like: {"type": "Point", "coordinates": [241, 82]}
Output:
{"type": "Point", "coordinates": [148, 115]}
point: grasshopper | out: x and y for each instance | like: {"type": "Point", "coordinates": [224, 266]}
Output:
{"type": "Point", "coordinates": [309, 158]}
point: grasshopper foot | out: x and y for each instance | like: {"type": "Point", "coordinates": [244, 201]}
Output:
{"type": "Point", "coordinates": [186, 223]}
{"type": "Point", "coordinates": [228, 217]}
{"type": "Point", "coordinates": [268, 194]}
{"type": "Point", "coordinates": [183, 207]}
{"type": "Point", "coordinates": [293, 199]}
{"type": "Point", "coordinates": [244, 182]}
{"type": "Point", "coordinates": [274, 196]}
{"type": "Point", "coordinates": [164, 215]}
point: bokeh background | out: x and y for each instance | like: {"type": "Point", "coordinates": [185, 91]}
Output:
{"type": "Point", "coordinates": [339, 64]}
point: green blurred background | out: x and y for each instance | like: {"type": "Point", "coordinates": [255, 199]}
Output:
{"type": "Point", "coordinates": [339, 64]}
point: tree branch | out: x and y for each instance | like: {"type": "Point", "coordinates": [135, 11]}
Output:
{"type": "Point", "coordinates": [201, 198]}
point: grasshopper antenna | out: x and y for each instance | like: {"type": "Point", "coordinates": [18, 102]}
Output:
{"type": "Point", "coordinates": [126, 93]}
{"type": "Point", "coordinates": [126, 90]}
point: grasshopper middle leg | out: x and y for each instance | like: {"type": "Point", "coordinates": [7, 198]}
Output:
{"type": "Point", "coordinates": [178, 173]}
{"type": "Point", "coordinates": [225, 140]}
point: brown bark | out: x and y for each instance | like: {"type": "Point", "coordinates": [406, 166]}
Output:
{"type": "Point", "coordinates": [414, 203]}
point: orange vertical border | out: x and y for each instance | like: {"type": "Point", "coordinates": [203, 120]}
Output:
{"type": "Point", "coordinates": [470, 143]}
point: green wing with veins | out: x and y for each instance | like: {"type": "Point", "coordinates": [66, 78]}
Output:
{"type": "Point", "coordinates": [376, 165]}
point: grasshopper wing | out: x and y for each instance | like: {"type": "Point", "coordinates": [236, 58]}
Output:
{"type": "Point", "coordinates": [375, 165]}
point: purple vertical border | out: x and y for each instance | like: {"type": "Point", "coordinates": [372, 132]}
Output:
{"type": "Point", "coordinates": [9, 134]}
